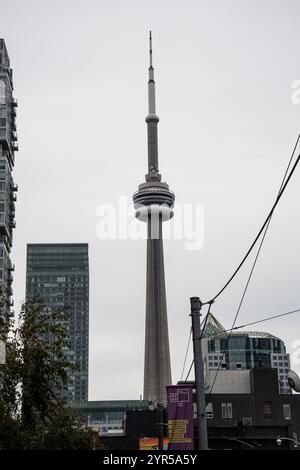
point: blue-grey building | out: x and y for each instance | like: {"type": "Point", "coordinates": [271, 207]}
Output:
{"type": "Point", "coordinates": [59, 274]}
{"type": "Point", "coordinates": [244, 350]}
{"type": "Point", "coordinates": [8, 147]}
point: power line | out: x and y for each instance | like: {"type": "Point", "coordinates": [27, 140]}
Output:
{"type": "Point", "coordinates": [266, 222]}
{"type": "Point", "coordinates": [206, 318]}
{"type": "Point", "coordinates": [186, 353]}
{"type": "Point", "coordinates": [253, 323]}
{"type": "Point", "coordinates": [188, 374]}
{"type": "Point", "coordinates": [202, 331]}
{"type": "Point", "coordinates": [244, 326]}
{"type": "Point", "coordinates": [226, 349]}
{"type": "Point", "coordinates": [264, 228]}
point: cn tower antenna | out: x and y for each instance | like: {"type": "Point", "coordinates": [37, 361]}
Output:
{"type": "Point", "coordinates": [150, 48]}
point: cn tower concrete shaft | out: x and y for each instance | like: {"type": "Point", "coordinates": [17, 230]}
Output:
{"type": "Point", "coordinates": [157, 367]}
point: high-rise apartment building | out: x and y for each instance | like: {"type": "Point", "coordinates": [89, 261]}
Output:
{"type": "Point", "coordinates": [8, 147]}
{"type": "Point", "coordinates": [59, 274]}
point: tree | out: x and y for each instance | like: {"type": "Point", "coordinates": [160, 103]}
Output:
{"type": "Point", "coordinates": [36, 368]}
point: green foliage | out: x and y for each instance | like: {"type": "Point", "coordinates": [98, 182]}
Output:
{"type": "Point", "coordinates": [32, 416]}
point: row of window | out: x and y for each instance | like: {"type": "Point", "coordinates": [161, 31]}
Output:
{"type": "Point", "coordinates": [227, 412]}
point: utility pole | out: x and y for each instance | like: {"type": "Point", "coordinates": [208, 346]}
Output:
{"type": "Point", "coordinates": [196, 305]}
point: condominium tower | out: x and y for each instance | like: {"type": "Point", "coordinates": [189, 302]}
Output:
{"type": "Point", "coordinates": [8, 147]}
{"type": "Point", "coordinates": [59, 274]}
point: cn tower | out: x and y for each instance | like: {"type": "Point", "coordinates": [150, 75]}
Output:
{"type": "Point", "coordinates": [154, 203]}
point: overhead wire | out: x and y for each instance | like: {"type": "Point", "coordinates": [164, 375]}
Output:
{"type": "Point", "coordinates": [186, 353]}
{"type": "Point", "coordinates": [283, 186]}
{"type": "Point", "coordinates": [264, 228]}
{"type": "Point", "coordinates": [244, 326]}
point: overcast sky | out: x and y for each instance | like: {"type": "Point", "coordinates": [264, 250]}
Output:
{"type": "Point", "coordinates": [224, 71]}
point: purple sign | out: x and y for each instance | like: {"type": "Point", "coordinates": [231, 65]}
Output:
{"type": "Point", "coordinates": [180, 417]}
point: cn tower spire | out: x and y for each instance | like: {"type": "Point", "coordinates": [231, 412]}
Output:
{"type": "Point", "coordinates": [151, 82]}
{"type": "Point", "coordinates": [152, 120]}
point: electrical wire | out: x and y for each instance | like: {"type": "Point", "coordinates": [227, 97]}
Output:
{"type": "Point", "coordinates": [266, 222]}
{"type": "Point", "coordinates": [186, 353]}
{"type": "Point", "coordinates": [201, 336]}
{"type": "Point", "coordinates": [264, 228]}
{"type": "Point", "coordinates": [205, 321]}
{"type": "Point", "coordinates": [252, 323]}
{"type": "Point", "coordinates": [188, 374]}
{"type": "Point", "coordinates": [243, 326]}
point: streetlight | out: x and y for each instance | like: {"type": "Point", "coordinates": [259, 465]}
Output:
{"type": "Point", "coordinates": [280, 439]}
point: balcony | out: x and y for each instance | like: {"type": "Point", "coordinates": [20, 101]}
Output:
{"type": "Point", "coordinates": [15, 188]}
{"type": "Point", "coordinates": [15, 146]}
{"type": "Point", "coordinates": [14, 103]}
{"type": "Point", "coordinates": [14, 136]}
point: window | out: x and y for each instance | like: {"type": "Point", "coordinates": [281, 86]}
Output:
{"type": "Point", "coordinates": [268, 409]}
{"type": "Point", "coordinates": [226, 410]}
{"type": "Point", "coordinates": [287, 412]}
{"type": "Point", "coordinates": [2, 92]}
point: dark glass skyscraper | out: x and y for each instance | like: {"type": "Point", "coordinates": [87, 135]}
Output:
{"type": "Point", "coordinates": [59, 273]}
{"type": "Point", "coordinates": [8, 147]}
